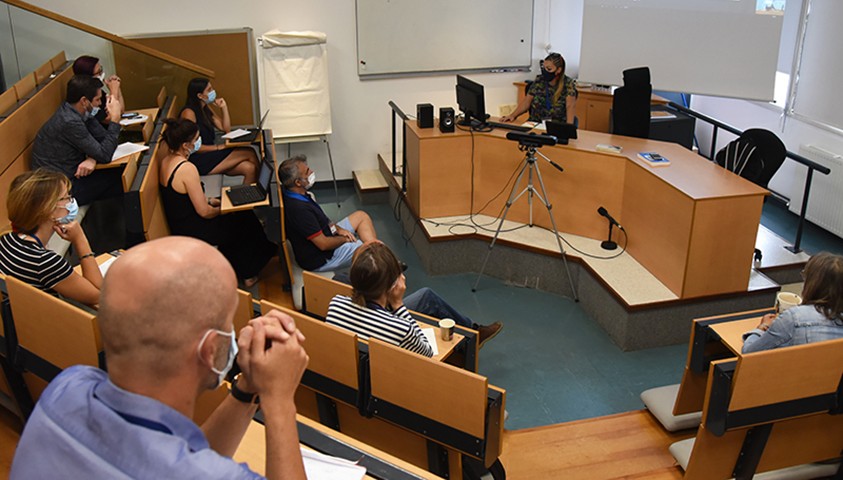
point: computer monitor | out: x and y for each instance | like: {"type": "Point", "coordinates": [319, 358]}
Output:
{"type": "Point", "coordinates": [471, 101]}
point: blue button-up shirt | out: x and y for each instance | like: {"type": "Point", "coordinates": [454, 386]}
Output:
{"type": "Point", "coordinates": [86, 427]}
{"type": "Point", "coordinates": [795, 326]}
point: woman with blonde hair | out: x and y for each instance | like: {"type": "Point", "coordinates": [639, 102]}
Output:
{"type": "Point", "coordinates": [818, 318]}
{"type": "Point", "coordinates": [552, 96]}
{"type": "Point", "coordinates": [39, 205]}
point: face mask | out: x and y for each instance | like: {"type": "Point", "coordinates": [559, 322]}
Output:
{"type": "Point", "coordinates": [72, 210]}
{"type": "Point", "coordinates": [95, 111]}
{"type": "Point", "coordinates": [101, 77]}
{"type": "Point", "coordinates": [196, 145]}
{"type": "Point", "coordinates": [212, 95]}
{"type": "Point", "coordinates": [548, 76]}
{"type": "Point", "coordinates": [232, 354]}
{"type": "Point", "coordinates": [311, 179]}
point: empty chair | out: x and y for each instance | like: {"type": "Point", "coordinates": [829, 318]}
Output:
{"type": "Point", "coordinates": [756, 156]}
{"type": "Point", "coordinates": [631, 104]}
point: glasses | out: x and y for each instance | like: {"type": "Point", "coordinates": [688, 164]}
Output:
{"type": "Point", "coordinates": [66, 199]}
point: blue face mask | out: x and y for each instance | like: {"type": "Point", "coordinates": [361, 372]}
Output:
{"type": "Point", "coordinates": [95, 111]}
{"type": "Point", "coordinates": [196, 145]}
{"type": "Point", "coordinates": [72, 211]}
{"type": "Point", "coordinates": [212, 95]}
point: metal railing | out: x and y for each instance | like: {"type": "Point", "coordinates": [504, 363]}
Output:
{"type": "Point", "coordinates": [717, 124]}
{"type": "Point", "coordinates": [398, 113]}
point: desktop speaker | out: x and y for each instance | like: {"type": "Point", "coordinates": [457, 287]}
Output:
{"type": "Point", "coordinates": [424, 115]}
{"type": "Point", "coordinates": [446, 119]}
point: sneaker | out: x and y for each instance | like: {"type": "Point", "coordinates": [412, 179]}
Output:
{"type": "Point", "coordinates": [488, 332]}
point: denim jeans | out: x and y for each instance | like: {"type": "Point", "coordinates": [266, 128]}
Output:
{"type": "Point", "coordinates": [428, 302]}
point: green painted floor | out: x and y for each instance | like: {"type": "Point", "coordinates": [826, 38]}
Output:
{"type": "Point", "coordinates": [555, 363]}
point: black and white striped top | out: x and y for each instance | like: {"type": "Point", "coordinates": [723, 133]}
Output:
{"type": "Point", "coordinates": [397, 328]}
{"type": "Point", "coordinates": [32, 263]}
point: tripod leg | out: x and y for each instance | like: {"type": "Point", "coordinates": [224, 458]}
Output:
{"type": "Point", "coordinates": [549, 207]}
{"type": "Point", "coordinates": [512, 198]}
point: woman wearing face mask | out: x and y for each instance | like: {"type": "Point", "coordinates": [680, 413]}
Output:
{"type": "Point", "coordinates": [39, 205]}
{"type": "Point", "coordinates": [212, 158]}
{"type": "Point", "coordinates": [238, 235]}
{"type": "Point", "coordinates": [88, 65]}
{"type": "Point", "coordinates": [553, 95]}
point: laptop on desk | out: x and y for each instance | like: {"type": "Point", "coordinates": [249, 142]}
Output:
{"type": "Point", "coordinates": [256, 192]}
{"type": "Point", "coordinates": [253, 132]}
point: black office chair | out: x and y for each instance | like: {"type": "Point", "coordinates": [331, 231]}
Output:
{"type": "Point", "coordinates": [756, 156]}
{"type": "Point", "coordinates": [631, 104]}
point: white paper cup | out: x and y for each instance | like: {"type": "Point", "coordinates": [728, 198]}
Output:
{"type": "Point", "coordinates": [446, 329]}
{"type": "Point", "coordinates": [785, 300]}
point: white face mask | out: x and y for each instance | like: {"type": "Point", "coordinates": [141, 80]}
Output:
{"type": "Point", "coordinates": [101, 77]}
{"type": "Point", "coordinates": [232, 354]}
{"type": "Point", "coordinates": [311, 180]}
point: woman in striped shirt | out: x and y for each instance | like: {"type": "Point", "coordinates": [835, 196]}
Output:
{"type": "Point", "coordinates": [376, 308]}
{"type": "Point", "coordinates": [39, 204]}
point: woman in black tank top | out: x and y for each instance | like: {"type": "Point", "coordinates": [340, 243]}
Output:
{"type": "Point", "coordinates": [212, 158]}
{"type": "Point", "coordinates": [239, 235]}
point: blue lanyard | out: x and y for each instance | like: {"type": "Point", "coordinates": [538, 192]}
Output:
{"type": "Point", "coordinates": [37, 240]}
{"type": "Point", "coordinates": [375, 306]}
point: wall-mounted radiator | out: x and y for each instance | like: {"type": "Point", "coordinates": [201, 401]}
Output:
{"type": "Point", "coordinates": [825, 203]}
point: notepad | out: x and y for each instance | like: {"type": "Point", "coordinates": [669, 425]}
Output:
{"type": "Point", "coordinates": [430, 334]}
{"type": "Point", "coordinates": [134, 120]}
{"type": "Point", "coordinates": [603, 147]}
{"type": "Point", "coordinates": [235, 133]}
{"type": "Point", "coordinates": [318, 467]}
{"type": "Point", "coordinates": [128, 148]}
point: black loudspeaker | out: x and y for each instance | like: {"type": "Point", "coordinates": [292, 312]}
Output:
{"type": "Point", "coordinates": [424, 115]}
{"type": "Point", "coordinates": [446, 119]}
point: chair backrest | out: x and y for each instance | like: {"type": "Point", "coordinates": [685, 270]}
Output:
{"type": "Point", "coordinates": [52, 328]}
{"type": "Point", "coordinates": [769, 410]}
{"type": "Point", "coordinates": [25, 85]}
{"type": "Point", "coordinates": [58, 61]}
{"type": "Point", "coordinates": [8, 100]}
{"type": "Point", "coordinates": [245, 310]}
{"type": "Point", "coordinates": [319, 291]}
{"type": "Point", "coordinates": [333, 351]}
{"type": "Point", "coordinates": [151, 206]}
{"type": "Point", "coordinates": [162, 97]}
{"type": "Point", "coordinates": [631, 104]}
{"type": "Point", "coordinates": [42, 73]}
{"type": "Point", "coordinates": [772, 149]}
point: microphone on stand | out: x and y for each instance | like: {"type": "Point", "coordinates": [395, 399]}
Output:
{"type": "Point", "coordinates": [609, 244]}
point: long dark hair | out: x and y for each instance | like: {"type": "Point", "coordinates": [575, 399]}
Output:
{"type": "Point", "coordinates": [194, 88]}
{"type": "Point", "coordinates": [373, 271]}
{"type": "Point", "coordinates": [178, 132]}
{"type": "Point", "coordinates": [824, 285]}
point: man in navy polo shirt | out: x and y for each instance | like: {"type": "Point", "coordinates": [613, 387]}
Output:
{"type": "Point", "coordinates": [319, 244]}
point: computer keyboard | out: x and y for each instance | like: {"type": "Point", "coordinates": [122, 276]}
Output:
{"type": "Point", "coordinates": [509, 126]}
{"type": "Point", "coordinates": [242, 194]}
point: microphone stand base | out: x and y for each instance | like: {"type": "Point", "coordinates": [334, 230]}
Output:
{"type": "Point", "coordinates": [608, 245]}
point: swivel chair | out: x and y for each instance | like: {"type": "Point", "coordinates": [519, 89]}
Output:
{"type": "Point", "coordinates": [756, 156]}
{"type": "Point", "coordinates": [631, 104]}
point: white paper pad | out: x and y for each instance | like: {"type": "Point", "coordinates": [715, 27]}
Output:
{"type": "Point", "coordinates": [127, 148]}
{"type": "Point", "coordinates": [430, 333]}
{"type": "Point", "coordinates": [235, 133]}
{"type": "Point", "coordinates": [318, 466]}
{"type": "Point", "coordinates": [537, 126]}
{"type": "Point", "coordinates": [104, 266]}
{"type": "Point", "coordinates": [134, 120]}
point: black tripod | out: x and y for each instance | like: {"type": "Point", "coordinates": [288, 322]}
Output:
{"type": "Point", "coordinates": [529, 144]}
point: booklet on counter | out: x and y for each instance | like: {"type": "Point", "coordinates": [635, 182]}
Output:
{"type": "Point", "coordinates": [653, 159]}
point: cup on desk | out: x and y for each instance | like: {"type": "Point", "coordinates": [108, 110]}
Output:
{"type": "Point", "coordinates": [785, 300]}
{"type": "Point", "coordinates": [446, 329]}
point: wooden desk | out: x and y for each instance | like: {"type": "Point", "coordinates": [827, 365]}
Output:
{"type": "Point", "coordinates": [593, 106]}
{"type": "Point", "coordinates": [252, 449]}
{"type": "Point", "coordinates": [712, 338]}
{"type": "Point", "coordinates": [692, 224]}
{"type": "Point", "coordinates": [444, 347]}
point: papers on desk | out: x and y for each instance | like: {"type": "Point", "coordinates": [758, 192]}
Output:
{"type": "Point", "coordinates": [430, 334]}
{"type": "Point", "coordinates": [536, 126]}
{"type": "Point", "coordinates": [318, 466]}
{"type": "Point", "coordinates": [661, 114]}
{"type": "Point", "coordinates": [134, 120]}
{"type": "Point", "coordinates": [104, 266]}
{"type": "Point", "coordinates": [235, 134]}
{"type": "Point", "coordinates": [127, 148]}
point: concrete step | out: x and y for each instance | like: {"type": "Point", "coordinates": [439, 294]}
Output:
{"type": "Point", "coordinates": [371, 187]}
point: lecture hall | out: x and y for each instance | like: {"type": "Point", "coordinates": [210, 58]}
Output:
{"type": "Point", "coordinates": [574, 239]}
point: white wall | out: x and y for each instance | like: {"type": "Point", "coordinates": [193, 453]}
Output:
{"type": "Point", "coordinates": [361, 116]}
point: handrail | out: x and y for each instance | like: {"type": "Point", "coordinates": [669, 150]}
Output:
{"type": "Point", "coordinates": [138, 47]}
{"type": "Point", "coordinates": [812, 165]}
{"type": "Point", "coordinates": [396, 111]}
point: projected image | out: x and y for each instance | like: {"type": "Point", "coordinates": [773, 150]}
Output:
{"type": "Point", "coordinates": [769, 7]}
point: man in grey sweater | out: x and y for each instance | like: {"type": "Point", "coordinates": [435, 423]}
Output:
{"type": "Point", "coordinates": [72, 141]}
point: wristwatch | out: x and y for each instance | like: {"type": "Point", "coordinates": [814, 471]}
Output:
{"type": "Point", "coordinates": [242, 396]}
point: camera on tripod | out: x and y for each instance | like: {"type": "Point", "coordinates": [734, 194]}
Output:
{"type": "Point", "coordinates": [531, 139]}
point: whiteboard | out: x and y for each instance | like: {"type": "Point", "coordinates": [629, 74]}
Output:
{"type": "Point", "coordinates": [419, 36]}
{"type": "Point", "coordinates": [726, 48]}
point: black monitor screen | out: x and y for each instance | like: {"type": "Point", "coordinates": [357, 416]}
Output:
{"type": "Point", "coordinates": [471, 101]}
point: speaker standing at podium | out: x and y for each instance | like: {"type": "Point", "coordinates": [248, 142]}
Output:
{"type": "Point", "coordinates": [553, 95]}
